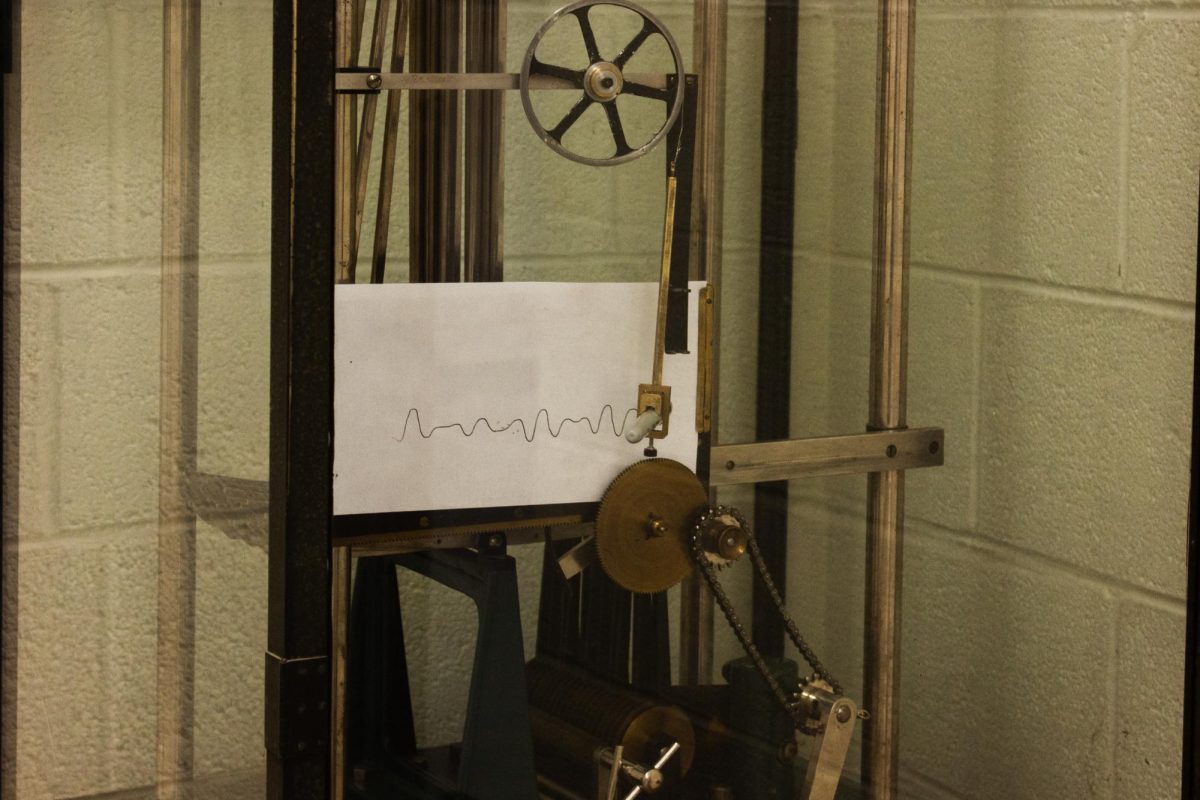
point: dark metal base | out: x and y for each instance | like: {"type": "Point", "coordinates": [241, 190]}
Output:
{"type": "Point", "coordinates": [495, 759]}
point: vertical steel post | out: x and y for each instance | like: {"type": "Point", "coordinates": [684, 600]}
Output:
{"type": "Point", "coordinates": [711, 18]}
{"type": "Point", "coordinates": [303, 252]}
{"type": "Point", "coordinates": [339, 623]}
{"type": "Point", "coordinates": [483, 157]}
{"type": "Point", "coordinates": [177, 394]}
{"type": "Point", "coordinates": [10, 137]}
{"type": "Point", "coordinates": [1191, 670]}
{"type": "Point", "coordinates": [346, 55]}
{"type": "Point", "coordinates": [773, 384]}
{"type": "Point", "coordinates": [889, 355]}
{"type": "Point", "coordinates": [435, 146]}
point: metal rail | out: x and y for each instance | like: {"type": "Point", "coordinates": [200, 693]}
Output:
{"type": "Point", "coordinates": [179, 299]}
{"type": "Point", "coordinates": [711, 33]}
{"type": "Point", "coordinates": [466, 81]}
{"type": "Point", "coordinates": [483, 155]}
{"type": "Point", "coordinates": [889, 355]}
{"type": "Point", "coordinates": [857, 453]}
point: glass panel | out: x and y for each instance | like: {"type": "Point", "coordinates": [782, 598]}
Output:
{"type": "Point", "coordinates": [1051, 301]}
{"type": "Point", "coordinates": [134, 646]}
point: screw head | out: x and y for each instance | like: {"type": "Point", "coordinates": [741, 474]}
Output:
{"type": "Point", "coordinates": [374, 81]}
{"type": "Point", "coordinates": [842, 713]}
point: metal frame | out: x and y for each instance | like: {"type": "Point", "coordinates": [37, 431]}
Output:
{"type": "Point", "coordinates": [888, 395]}
{"type": "Point", "coordinates": [776, 265]}
{"type": "Point", "coordinates": [10, 383]}
{"type": "Point", "coordinates": [711, 34]}
{"type": "Point", "coordinates": [302, 257]}
{"type": "Point", "coordinates": [1191, 679]}
{"type": "Point", "coordinates": [307, 228]}
{"type": "Point", "coordinates": [178, 391]}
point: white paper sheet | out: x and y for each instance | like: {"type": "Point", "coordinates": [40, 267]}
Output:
{"type": "Point", "coordinates": [496, 394]}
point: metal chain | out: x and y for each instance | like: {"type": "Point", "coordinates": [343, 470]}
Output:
{"type": "Point", "coordinates": [760, 566]}
{"type": "Point", "coordinates": [708, 570]}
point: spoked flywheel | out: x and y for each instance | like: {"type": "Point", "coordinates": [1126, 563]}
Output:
{"type": "Point", "coordinates": [602, 79]}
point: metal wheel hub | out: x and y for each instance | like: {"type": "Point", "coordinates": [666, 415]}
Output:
{"type": "Point", "coordinates": [603, 81]}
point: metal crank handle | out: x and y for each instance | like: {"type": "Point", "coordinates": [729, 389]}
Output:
{"type": "Point", "coordinates": [646, 421]}
{"type": "Point", "coordinates": [652, 779]}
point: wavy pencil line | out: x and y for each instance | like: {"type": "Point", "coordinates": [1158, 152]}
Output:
{"type": "Point", "coordinates": [526, 433]}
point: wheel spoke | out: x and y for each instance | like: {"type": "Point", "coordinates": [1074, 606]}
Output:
{"type": "Point", "coordinates": [589, 36]}
{"type": "Point", "coordinates": [635, 43]}
{"type": "Point", "coordinates": [570, 119]}
{"type": "Point", "coordinates": [573, 76]}
{"type": "Point", "coordinates": [642, 90]}
{"type": "Point", "coordinates": [618, 130]}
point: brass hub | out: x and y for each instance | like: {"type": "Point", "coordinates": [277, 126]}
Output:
{"type": "Point", "coordinates": [603, 81]}
{"type": "Point", "coordinates": [723, 538]}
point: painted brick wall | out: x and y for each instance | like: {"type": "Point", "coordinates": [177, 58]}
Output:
{"type": "Point", "coordinates": [1056, 154]}
{"type": "Point", "coordinates": [1057, 147]}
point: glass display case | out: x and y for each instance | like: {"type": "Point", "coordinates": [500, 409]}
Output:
{"type": "Point", "coordinates": [597, 399]}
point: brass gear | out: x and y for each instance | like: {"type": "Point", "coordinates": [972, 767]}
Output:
{"type": "Point", "coordinates": [644, 524]}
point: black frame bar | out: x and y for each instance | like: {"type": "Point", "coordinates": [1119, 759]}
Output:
{"type": "Point", "coordinates": [1191, 685]}
{"type": "Point", "coordinates": [297, 717]}
{"type": "Point", "coordinates": [10, 384]}
{"type": "Point", "coordinates": [780, 133]}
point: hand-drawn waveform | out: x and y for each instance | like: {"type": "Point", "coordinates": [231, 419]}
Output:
{"type": "Point", "coordinates": [541, 421]}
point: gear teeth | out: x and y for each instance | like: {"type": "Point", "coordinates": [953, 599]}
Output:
{"type": "Point", "coordinates": [672, 485]}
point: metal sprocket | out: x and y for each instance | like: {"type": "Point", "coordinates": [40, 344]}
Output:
{"type": "Point", "coordinates": [702, 559]}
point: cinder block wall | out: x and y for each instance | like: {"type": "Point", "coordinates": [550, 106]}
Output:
{"type": "Point", "coordinates": [91, 123]}
{"type": "Point", "coordinates": [1056, 155]}
{"type": "Point", "coordinates": [1054, 219]}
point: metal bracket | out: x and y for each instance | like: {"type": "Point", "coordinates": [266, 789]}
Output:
{"type": "Point", "coordinates": [837, 716]}
{"type": "Point", "coordinates": [875, 451]}
{"type": "Point", "coordinates": [301, 727]}
{"type": "Point", "coordinates": [369, 80]}
{"type": "Point", "coordinates": [363, 80]}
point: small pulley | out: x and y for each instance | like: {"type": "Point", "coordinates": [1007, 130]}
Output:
{"type": "Point", "coordinates": [602, 80]}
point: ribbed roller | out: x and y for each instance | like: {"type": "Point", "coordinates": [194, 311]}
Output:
{"type": "Point", "coordinates": [574, 713]}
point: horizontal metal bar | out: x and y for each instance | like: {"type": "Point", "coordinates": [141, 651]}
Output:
{"type": "Point", "coordinates": [461, 81]}
{"type": "Point", "coordinates": [386, 545]}
{"type": "Point", "coordinates": [876, 451]}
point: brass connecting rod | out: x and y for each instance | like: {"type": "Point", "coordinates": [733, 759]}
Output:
{"type": "Point", "coordinates": [664, 282]}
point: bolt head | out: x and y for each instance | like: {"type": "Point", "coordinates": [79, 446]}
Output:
{"type": "Point", "coordinates": [374, 81]}
{"type": "Point", "coordinates": [842, 713]}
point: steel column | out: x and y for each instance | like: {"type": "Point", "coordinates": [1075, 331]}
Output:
{"type": "Point", "coordinates": [10, 225]}
{"type": "Point", "coordinates": [1191, 686]}
{"type": "Point", "coordinates": [178, 378]}
{"type": "Point", "coordinates": [297, 717]}
{"type": "Point", "coordinates": [780, 132]}
{"type": "Point", "coordinates": [889, 318]}
{"type": "Point", "coordinates": [483, 156]}
{"type": "Point", "coordinates": [711, 31]}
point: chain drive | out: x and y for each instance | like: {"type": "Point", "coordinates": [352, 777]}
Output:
{"type": "Point", "coordinates": [709, 571]}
